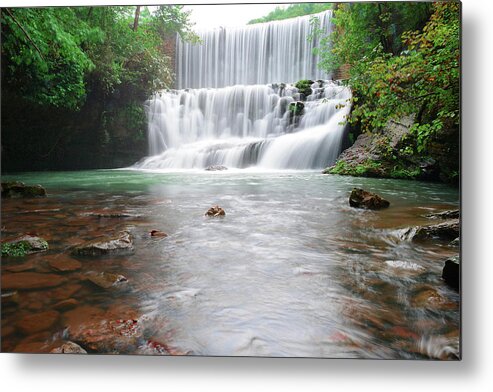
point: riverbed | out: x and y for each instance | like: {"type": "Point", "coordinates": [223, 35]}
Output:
{"type": "Point", "coordinates": [291, 270]}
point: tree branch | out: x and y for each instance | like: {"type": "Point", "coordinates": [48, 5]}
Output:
{"type": "Point", "coordinates": [25, 32]}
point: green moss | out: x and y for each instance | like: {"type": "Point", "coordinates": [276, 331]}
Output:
{"type": "Point", "coordinates": [405, 173]}
{"type": "Point", "coordinates": [369, 168]}
{"type": "Point", "coordinates": [16, 249]}
{"type": "Point", "coordinates": [296, 108]}
{"type": "Point", "coordinates": [304, 87]}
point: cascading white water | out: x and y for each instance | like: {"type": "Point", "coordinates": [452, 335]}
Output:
{"type": "Point", "coordinates": [252, 124]}
{"type": "Point", "coordinates": [262, 53]}
{"type": "Point", "coordinates": [243, 126]}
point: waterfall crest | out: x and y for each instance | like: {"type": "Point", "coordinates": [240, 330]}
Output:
{"type": "Point", "coordinates": [255, 54]}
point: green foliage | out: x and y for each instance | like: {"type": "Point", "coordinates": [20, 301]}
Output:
{"type": "Point", "coordinates": [293, 11]}
{"type": "Point", "coordinates": [15, 249]}
{"type": "Point", "coordinates": [403, 61]}
{"type": "Point", "coordinates": [54, 56]}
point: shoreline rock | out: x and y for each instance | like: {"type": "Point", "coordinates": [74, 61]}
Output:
{"type": "Point", "coordinates": [24, 245]}
{"type": "Point", "coordinates": [447, 231]}
{"type": "Point", "coordinates": [17, 189]}
{"type": "Point", "coordinates": [216, 168]}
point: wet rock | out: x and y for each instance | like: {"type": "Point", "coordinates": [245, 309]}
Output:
{"type": "Point", "coordinates": [446, 231]}
{"type": "Point", "coordinates": [429, 298]}
{"type": "Point", "coordinates": [215, 211]}
{"type": "Point", "coordinates": [10, 298]}
{"type": "Point", "coordinates": [450, 214]}
{"type": "Point", "coordinates": [38, 322]}
{"type": "Point", "coordinates": [7, 331]}
{"type": "Point", "coordinates": [66, 304]}
{"type": "Point", "coordinates": [31, 347]}
{"type": "Point", "coordinates": [24, 245]}
{"type": "Point", "coordinates": [455, 242]}
{"type": "Point", "coordinates": [20, 190]}
{"type": "Point", "coordinates": [27, 266]}
{"type": "Point", "coordinates": [158, 233]}
{"type": "Point", "coordinates": [107, 280]}
{"type": "Point", "coordinates": [69, 348]}
{"type": "Point", "coordinates": [30, 281]}
{"type": "Point", "coordinates": [451, 272]}
{"type": "Point", "coordinates": [360, 198]}
{"type": "Point", "coordinates": [120, 244]}
{"type": "Point", "coordinates": [64, 292]}
{"type": "Point", "coordinates": [216, 168]}
{"type": "Point", "coordinates": [63, 263]}
{"type": "Point", "coordinates": [111, 214]}
{"type": "Point", "coordinates": [110, 336]}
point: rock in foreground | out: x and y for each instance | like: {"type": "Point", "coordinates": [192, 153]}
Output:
{"type": "Point", "coordinates": [107, 280]}
{"type": "Point", "coordinates": [447, 231]}
{"type": "Point", "coordinates": [215, 211]}
{"type": "Point", "coordinates": [451, 272]}
{"type": "Point", "coordinates": [360, 198]}
{"type": "Point", "coordinates": [120, 244]}
{"type": "Point", "coordinates": [30, 281]}
{"type": "Point", "coordinates": [20, 190]}
{"type": "Point", "coordinates": [450, 214]}
{"type": "Point", "coordinates": [69, 348]}
{"type": "Point", "coordinates": [24, 245]}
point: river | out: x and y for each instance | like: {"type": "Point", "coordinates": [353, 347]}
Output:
{"type": "Point", "coordinates": [291, 270]}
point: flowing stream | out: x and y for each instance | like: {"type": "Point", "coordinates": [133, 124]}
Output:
{"type": "Point", "coordinates": [291, 270]}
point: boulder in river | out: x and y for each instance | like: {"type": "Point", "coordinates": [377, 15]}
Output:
{"type": "Point", "coordinates": [360, 198]}
{"type": "Point", "coordinates": [107, 280]}
{"type": "Point", "coordinates": [451, 272]}
{"type": "Point", "coordinates": [24, 245]}
{"type": "Point", "coordinates": [216, 168]}
{"type": "Point", "coordinates": [446, 231]}
{"type": "Point", "coordinates": [215, 211]}
{"type": "Point", "coordinates": [119, 244]}
{"type": "Point", "coordinates": [18, 189]}
{"type": "Point", "coordinates": [158, 233]}
{"type": "Point", "coordinates": [69, 348]}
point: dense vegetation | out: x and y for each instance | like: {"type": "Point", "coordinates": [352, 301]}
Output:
{"type": "Point", "coordinates": [403, 60]}
{"type": "Point", "coordinates": [293, 11]}
{"type": "Point", "coordinates": [76, 79]}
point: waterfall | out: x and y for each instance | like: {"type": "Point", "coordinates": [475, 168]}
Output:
{"type": "Point", "coordinates": [225, 113]}
{"type": "Point", "coordinates": [255, 54]}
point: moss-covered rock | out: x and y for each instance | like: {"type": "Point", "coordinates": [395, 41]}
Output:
{"type": "Point", "coordinates": [304, 87]}
{"type": "Point", "coordinates": [16, 189]}
{"type": "Point", "coordinates": [296, 108]}
{"type": "Point", "coordinates": [23, 246]}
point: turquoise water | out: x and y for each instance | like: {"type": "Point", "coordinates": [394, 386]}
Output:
{"type": "Point", "coordinates": [291, 270]}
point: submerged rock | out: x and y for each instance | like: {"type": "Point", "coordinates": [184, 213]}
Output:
{"type": "Point", "coordinates": [216, 168]}
{"type": "Point", "coordinates": [446, 231]}
{"type": "Point", "coordinates": [64, 263]}
{"type": "Point", "coordinates": [107, 280]}
{"type": "Point", "coordinates": [120, 244]}
{"type": "Point", "coordinates": [215, 211]}
{"type": "Point", "coordinates": [17, 189]}
{"type": "Point", "coordinates": [69, 348]}
{"type": "Point", "coordinates": [360, 198]}
{"type": "Point", "coordinates": [451, 272]}
{"type": "Point", "coordinates": [30, 281]}
{"type": "Point", "coordinates": [455, 242]}
{"type": "Point", "coordinates": [38, 322]}
{"type": "Point", "coordinates": [24, 245]}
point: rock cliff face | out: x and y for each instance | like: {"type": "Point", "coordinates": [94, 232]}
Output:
{"type": "Point", "coordinates": [390, 154]}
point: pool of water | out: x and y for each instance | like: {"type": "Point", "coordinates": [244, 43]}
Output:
{"type": "Point", "coordinates": [291, 270]}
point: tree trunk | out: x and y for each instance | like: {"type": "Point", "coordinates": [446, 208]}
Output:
{"type": "Point", "coordinates": [136, 19]}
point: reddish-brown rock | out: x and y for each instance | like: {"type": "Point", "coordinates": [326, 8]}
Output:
{"type": "Point", "coordinates": [215, 211]}
{"type": "Point", "coordinates": [30, 281]}
{"type": "Point", "coordinates": [63, 263]}
{"type": "Point", "coordinates": [66, 304]}
{"type": "Point", "coordinates": [38, 322]}
{"type": "Point", "coordinates": [69, 348]}
{"type": "Point", "coordinates": [360, 198]}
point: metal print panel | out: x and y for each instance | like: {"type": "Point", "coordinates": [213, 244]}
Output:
{"type": "Point", "coordinates": [232, 180]}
